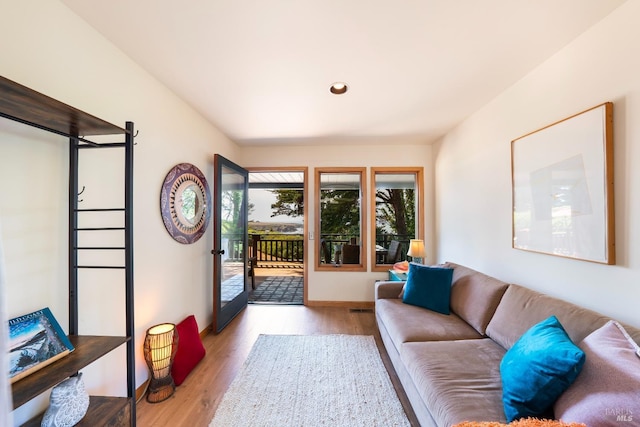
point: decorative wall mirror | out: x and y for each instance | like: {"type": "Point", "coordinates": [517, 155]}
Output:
{"type": "Point", "coordinates": [185, 203]}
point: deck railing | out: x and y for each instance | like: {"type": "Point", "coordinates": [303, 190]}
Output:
{"type": "Point", "coordinates": [271, 249]}
{"type": "Point", "coordinates": [331, 243]}
{"type": "Point", "coordinates": [268, 250]}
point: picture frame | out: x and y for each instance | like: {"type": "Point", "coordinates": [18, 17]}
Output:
{"type": "Point", "coordinates": [562, 188]}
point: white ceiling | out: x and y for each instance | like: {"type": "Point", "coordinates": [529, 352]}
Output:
{"type": "Point", "coordinates": [260, 70]}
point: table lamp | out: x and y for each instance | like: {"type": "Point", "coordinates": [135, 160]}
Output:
{"type": "Point", "coordinates": [416, 250]}
{"type": "Point", "coordinates": [160, 346]}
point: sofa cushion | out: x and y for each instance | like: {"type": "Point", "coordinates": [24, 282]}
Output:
{"type": "Point", "coordinates": [410, 323]}
{"type": "Point", "coordinates": [537, 369]}
{"type": "Point", "coordinates": [607, 391]}
{"type": "Point", "coordinates": [428, 287]}
{"type": "Point", "coordinates": [521, 308]}
{"type": "Point", "coordinates": [458, 380]}
{"type": "Point", "coordinates": [475, 296]}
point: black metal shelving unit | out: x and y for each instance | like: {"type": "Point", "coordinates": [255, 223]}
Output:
{"type": "Point", "coordinates": [32, 108]}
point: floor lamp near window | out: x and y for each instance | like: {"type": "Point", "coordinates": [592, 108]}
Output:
{"type": "Point", "coordinates": [160, 346]}
{"type": "Point", "coordinates": [416, 250]}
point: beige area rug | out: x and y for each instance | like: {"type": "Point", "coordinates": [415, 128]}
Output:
{"type": "Point", "coordinates": [317, 380]}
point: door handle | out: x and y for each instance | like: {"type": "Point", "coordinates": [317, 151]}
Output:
{"type": "Point", "coordinates": [217, 251]}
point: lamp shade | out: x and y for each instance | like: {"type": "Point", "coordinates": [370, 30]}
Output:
{"type": "Point", "coordinates": [160, 346]}
{"type": "Point", "coordinates": [416, 250]}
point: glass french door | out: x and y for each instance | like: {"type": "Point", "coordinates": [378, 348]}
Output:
{"type": "Point", "coordinates": [230, 290]}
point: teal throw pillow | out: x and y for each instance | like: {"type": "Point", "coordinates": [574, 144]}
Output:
{"type": "Point", "coordinates": [539, 367]}
{"type": "Point", "coordinates": [428, 287]}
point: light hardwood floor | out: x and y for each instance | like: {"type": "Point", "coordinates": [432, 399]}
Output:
{"type": "Point", "coordinates": [196, 399]}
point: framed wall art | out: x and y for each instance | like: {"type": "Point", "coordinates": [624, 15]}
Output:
{"type": "Point", "coordinates": [562, 183]}
{"type": "Point", "coordinates": [185, 203]}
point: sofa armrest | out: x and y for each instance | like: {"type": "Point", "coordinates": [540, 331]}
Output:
{"type": "Point", "coordinates": [388, 289]}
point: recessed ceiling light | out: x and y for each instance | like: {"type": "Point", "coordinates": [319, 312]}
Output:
{"type": "Point", "coordinates": [338, 88]}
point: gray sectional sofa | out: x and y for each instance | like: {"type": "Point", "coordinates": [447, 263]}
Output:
{"type": "Point", "coordinates": [449, 365]}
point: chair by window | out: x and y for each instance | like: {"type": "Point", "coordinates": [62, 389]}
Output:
{"type": "Point", "coordinates": [393, 253]}
{"type": "Point", "coordinates": [350, 254]}
{"type": "Point", "coordinates": [253, 263]}
{"type": "Point", "coordinates": [325, 253]}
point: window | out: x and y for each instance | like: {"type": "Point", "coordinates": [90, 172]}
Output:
{"type": "Point", "coordinates": [396, 214]}
{"type": "Point", "coordinates": [340, 218]}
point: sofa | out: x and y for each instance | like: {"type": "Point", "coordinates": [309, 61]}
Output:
{"type": "Point", "coordinates": [449, 364]}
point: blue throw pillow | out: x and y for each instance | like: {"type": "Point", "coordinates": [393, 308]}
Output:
{"type": "Point", "coordinates": [428, 287]}
{"type": "Point", "coordinates": [539, 367]}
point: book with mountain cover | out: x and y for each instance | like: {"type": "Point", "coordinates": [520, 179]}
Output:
{"type": "Point", "coordinates": [35, 341]}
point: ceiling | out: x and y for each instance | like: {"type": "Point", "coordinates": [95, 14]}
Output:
{"type": "Point", "coordinates": [260, 70]}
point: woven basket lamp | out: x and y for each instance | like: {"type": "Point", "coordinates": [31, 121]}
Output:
{"type": "Point", "coordinates": [160, 345]}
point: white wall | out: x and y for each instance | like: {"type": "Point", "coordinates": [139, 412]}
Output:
{"type": "Point", "coordinates": [48, 48]}
{"type": "Point", "coordinates": [6, 417]}
{"type": "Point", "coordinates": [347, 286]}
{"type": "Point", "coordinates": [473, 170]}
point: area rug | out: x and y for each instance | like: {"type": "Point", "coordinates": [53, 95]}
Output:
{"type": "Point", "coordinates": [319, 380]}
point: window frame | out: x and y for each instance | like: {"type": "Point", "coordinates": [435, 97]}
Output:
{"type": "Point", "coordinates": [418, 172]}
{"type": "Point", "coordinates": [361, 171]}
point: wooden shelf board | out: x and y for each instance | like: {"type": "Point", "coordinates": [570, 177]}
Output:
{"type": "Point", "coordinates": [25, 105]}
{"type": "Point", "coordinates": [87, 350]}
{"type": "Point", "coordinates": [103, 411]}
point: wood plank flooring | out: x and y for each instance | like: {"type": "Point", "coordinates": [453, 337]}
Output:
{"type": "Point", "coordinates": [195, 401]}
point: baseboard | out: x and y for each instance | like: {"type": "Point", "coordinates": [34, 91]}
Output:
{"type": "Point", "coordinates": [345, 304]}
{"type": "Point", "coordinates": [206, 331]}
{"type": "Point", "coordinates": [140, 391]}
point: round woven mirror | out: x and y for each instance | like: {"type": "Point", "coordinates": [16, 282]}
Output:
{"type": "Point", "coordinates": [185, 203]}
